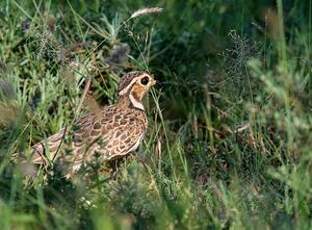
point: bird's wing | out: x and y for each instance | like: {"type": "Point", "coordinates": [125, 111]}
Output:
{"type": "Point", "coordinates": [124, 141]}
{"type": "Point", "coordinates": [124, 135]}
{"type": "Point", "coordinates": [110, 137]}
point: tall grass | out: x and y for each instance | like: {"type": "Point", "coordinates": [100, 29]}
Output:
{"type": "Point", "coordinates": [229, 139]}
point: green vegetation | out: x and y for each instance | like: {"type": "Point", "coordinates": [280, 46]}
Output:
{"type": "Point", "coordinates": [229, 144]}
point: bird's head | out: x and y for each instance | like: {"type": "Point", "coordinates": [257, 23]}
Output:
{"type": "Point", "coordinates": [134, 86]}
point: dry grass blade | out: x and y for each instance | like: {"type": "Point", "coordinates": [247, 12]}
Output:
{"type": "Point", "coordinates": [144, 11]}
{"type": "Point", "coordinates": [84, 94]}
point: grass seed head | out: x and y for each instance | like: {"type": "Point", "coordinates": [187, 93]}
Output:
{"type": "Point", "coordinates": [144, 11]}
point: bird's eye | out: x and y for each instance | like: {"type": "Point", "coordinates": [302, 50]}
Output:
{"type": "Point", "coordinates": [144, 81]}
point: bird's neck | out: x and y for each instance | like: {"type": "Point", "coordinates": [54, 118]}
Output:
{"type": "Point", "coordinates": [130, 100]}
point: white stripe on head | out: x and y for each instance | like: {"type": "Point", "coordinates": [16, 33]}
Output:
{"type": "Point", "coordinates": [125, 90]}
{"type": "Point", "coordinates": [136, 103]}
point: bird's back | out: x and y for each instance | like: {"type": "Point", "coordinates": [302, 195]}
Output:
{"type": "Point", "coordinates": [112, 133]}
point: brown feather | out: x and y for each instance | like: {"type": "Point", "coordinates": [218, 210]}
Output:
{"type": "Point", "coordinates": [104, 135]}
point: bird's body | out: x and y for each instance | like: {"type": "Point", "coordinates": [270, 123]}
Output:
{"type": "Point", "coordinates": [111, 133]}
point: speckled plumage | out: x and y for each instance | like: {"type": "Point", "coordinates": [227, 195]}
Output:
{"type": "Point", "coordinates": [111, 133]}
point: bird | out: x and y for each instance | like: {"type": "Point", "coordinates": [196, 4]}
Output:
{"type": "Point", "coordinates": [112, 132]}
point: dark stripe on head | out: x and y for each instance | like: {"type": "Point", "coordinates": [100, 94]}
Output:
{"type": "Point", "coordinates": [127, 78]}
